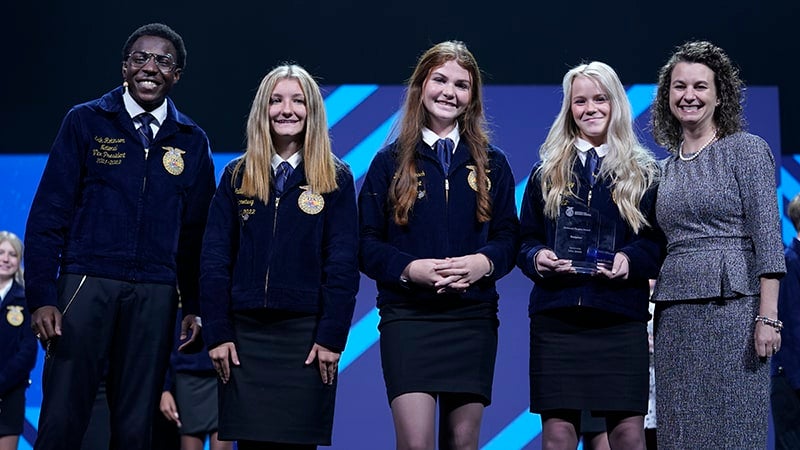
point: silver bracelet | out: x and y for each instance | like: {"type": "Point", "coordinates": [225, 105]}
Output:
{"type": "Point", "coordinates": [774, 323]}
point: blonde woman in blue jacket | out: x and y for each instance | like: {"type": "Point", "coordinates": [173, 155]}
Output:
{"type": "Point", "coordinates": [279, 272]}
{"type": "Point", "coordinates": [438, 229]}
{"type": "Point", "coordinates": [589, 347]}
{"type": "Point", "coordinates": [17, 343]}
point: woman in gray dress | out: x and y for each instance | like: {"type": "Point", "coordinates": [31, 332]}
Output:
{"type": "Point", "coordinates": [716, 297]}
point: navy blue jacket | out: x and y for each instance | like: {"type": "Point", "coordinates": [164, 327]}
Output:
{"type": "Point", "coordinates": [788, 358]}
{"type": "Point", "coordinates": [627, 297]}
{"type": "Point", "coordinates": [276, 256]}
{"type": "Point", "coordinates": [441, 224]}
{"type": "Point", "coordinates": [105, 208]}
{"type": "Point", "coordinates": [17, 343]}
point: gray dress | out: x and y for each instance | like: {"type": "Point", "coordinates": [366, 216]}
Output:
{"type": "Point", "coordinates": [719, 213]}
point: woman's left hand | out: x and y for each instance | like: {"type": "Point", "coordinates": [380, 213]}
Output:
{"type": "Point", "coordinates": [768, 340]}
{"type": "Point", "coordinates": [328, 362]}
{"type": "Point", "coordinates": [618, 270]}
{"type": "Point", "coordinates": [460, 272]}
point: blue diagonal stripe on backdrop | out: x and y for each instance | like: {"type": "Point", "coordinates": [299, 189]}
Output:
{"type": "Point", "coordinates": [639, 95]}
{"type": "Point", "coordinates": [363, 334]}
{"type": "Point", "coordinates": [361, 155]}
{"type": "Point", "coordinates": [516, 435]}
{"type": "Point", "coordinates": [345, 99]}
{"type": "Point", "coordinates": [789, 185]}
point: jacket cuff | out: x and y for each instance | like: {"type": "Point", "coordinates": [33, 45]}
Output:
{"type": "Point", "coordinates": [217, 332]}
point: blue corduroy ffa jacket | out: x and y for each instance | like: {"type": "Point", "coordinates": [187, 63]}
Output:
{"type": "Point", "coordinates": [441, 224]}
{"type": "Point", "coordinates": [276, 256]}
{"type": "Point", "coordinates": [788, 358]}
{"type": "Point", "coordinates": [17, 343]}
{"type": "Point", "coordinates": [106, 208]}
{"type": "Point", "coordinates": [627, 297]}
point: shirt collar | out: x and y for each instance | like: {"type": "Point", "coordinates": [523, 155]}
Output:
{"type": "Point", "coordinates": [430, 138]}
{"type": "Point", "coordinates": [134, 109]}
{"type": "Point", "coordinates": [293, 160]}
{"type": "Point", "coordinates": [5, 289]}
{"type": "Point", "coordinates": [583, 146]}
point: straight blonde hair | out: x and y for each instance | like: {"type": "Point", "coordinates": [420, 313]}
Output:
{"type": "Point", "coordinates": [318, 159]}
{"type": "Point", "coordinates": [631, 167]}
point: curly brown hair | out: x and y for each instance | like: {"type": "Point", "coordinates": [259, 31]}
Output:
{"type": "Point", "coordinates": [728, 118]}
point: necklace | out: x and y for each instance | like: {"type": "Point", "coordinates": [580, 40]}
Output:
{"type": "Point", "coordinates": [697, 153]}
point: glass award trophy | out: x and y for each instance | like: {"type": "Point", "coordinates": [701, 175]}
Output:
{"type": "Point", "coordinates": [585, 238]}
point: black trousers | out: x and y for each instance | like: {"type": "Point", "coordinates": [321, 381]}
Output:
{"type": "Point", "coordinates": [124, 326]}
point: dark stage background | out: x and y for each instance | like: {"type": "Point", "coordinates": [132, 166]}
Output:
{"type": "Point", "coordinates": [62, 53]}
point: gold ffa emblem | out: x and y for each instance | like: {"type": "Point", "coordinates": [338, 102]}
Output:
{"type": "Point", "coordinates": [472, 179]}
{"type": "Point", "coordinates": [14, 315]}
{"type": "Point", "coordinates": [172, 160]}
{"type": "Point", "coordinates": [310, 202]}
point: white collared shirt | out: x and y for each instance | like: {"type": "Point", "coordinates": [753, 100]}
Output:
{"type": "Point", "coordinates": [134, 109]}
{"type": "Point", "coordinates": [583, 146]}
{"type": "Point", "coordinates": [293, 160]}
{"type": "Point", "coordinates": [430, 138]}
{"type": "Point", "coordinates": [4, 290]}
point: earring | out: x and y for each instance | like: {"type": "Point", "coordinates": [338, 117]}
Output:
{"type": "Point", "coordinates": [124, 86]}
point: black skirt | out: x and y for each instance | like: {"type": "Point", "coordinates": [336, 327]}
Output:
{"type": "Point", "coordinates": [446, 347]}
{"type": "Point", "coordinates": [273, 396]}
{"type": "Point", "coordinates": [12, 411]}
{"type": "Point", "coordinates": [196, 395]}
{"type": "Point", "coordinates": [585, 358]}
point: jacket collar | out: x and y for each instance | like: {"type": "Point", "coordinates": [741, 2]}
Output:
{"type": "Point", "coordinates": [112, 104]}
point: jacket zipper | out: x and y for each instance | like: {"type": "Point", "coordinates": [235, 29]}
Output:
{"type": "Point", "coordinates": [144, 180]}
{"type": "Point", "coordinates": [141, 201]}
{"type": "Point", "coordinates": [75, 294]}
{"type": "Point", "coordinates": [269, 265]}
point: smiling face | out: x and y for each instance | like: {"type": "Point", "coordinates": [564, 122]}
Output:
{"type": "Point", "coordinates": [446, 94]}
{"type": "Point", "coordinates": [9, 261]}
{"type": "Point", "coordinates": [591, 110]}
{"type": "Point", "coordinates": [287, 111]}
{"type": "Point", "coordinates": [693, 95]}
{"type": "Point", "coordinates": [147, 84]}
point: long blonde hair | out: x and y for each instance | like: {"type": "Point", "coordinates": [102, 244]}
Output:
{"type": "Point", "coordinates": [16, 244]}
{"type": "Point", "coordinates": [318, 159]}
{"type": "Point", "coordinates": [631, 167]}
{"type": "Point", "coordinates": [472, 123]}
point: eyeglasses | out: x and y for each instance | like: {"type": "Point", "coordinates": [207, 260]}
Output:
{"type": "Point", "coordinates": [165, 63]}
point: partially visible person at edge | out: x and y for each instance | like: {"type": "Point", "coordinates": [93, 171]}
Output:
{"type": "Point", "coordinates": [280, 271]}
{"type": "Point", "coordinates": [786, 363]}
{"type": "Point", "coordinates": [716, 316]}
{"type": "Point", "coordinates": [589, 317]}
{"type": "Point", "coordinates": [17, 343]}
{"type": "Point", "coordinates": [189, 399]}
{"type": "Point", "coordinates": [114, 229]}
{"type": "Point", "coordinates": [438, 229]}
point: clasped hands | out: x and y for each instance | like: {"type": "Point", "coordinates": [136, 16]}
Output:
{"type": "Point", "coordinates": [547, 263]}
{"type": "Point", "coordinates": [449, 274]}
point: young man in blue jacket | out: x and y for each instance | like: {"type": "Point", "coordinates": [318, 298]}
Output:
{"type": "Point", "coordinates": [114, 231]}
